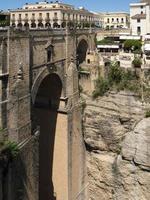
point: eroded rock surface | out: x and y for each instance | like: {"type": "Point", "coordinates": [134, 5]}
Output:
{"type": "Point", "coordinates": [117, 138]}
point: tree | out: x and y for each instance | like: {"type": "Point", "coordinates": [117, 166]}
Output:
{"type": "Point", "coordinates": [133, 45]}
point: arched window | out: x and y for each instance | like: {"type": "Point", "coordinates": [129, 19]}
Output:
{"type": "Point", "coordinates": [13, 25]}
{"type": "Point", "coordinates": [55, 25]}
{"type": "Point", "coordinates": [50, 50]}
{"type": "Point", "coordinates": [19, 25]}
{"type": "Point", "coordinates": [40, 25]}
{"type": "Point", "coordinates": [47, 25]}
{"type": "Point", "coordinates": [33, 25]}
{"type": "Point", "coordinates": [26, 25]}
{"type": "Point", "coordinates": [63, 25]}
{"type": "Point", "coordinates": [107, 20]}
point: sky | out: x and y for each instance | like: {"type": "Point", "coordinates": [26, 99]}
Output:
{"type": "Point", "coordinates": [92, 5]}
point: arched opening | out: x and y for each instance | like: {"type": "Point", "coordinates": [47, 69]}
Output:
{"type": "Point", "coordinates": [19, 25]}
{"type": "Point", "coordinates": [33, 25]}
{"type": "Point", "coordinates": [26, 25]}
{"type": "Point", "coordinates": [40, 25]}
{"type": "Point", "coordinates": [63, 25]}
{"type": "Point", "coordinates": [47, 25]}
{"type": "Point", "coordinates": [13, 25]}
{"type": "Point", "coordinates": [55, 25]}
{"type": "Point", "coordinates": [45, 118]}
{"type": "Point", "coordinates": [81, 51]}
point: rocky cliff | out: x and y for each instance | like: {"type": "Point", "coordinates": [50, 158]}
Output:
{"type": "Point", "coordinates": [117, 138]}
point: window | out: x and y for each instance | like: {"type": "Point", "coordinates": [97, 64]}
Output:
{"type": "Point", "coordinates": [19, 16]}
{"type": "Point", "coordinates": [117, 20]}
{"type": "Point", "coordinates": [47, 15]}
{"type": "Point", "coordinates": [138, 20]}
{"type": "Point", "coordinates": [141, 7]}
{"type": "Point", "coordinates": [108, 20]}
{"type": "Point", "coordinates": [141, 12]}
{"type": "Point", "coordinates": [122, 20]}
{"type": "Point", "coordinates": [49, 53]}
{"type": "Point", "coordinates": [112, 20]}
{"type": "Point", "coordinates": [138, 29]}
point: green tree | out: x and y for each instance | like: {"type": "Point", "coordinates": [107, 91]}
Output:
{"type": "Point", "coordinates": [133, 45]}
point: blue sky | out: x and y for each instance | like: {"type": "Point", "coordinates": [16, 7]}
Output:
{"type": "Point", "coordinates": [93, 5]}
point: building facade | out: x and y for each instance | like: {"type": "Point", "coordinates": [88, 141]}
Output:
{"type": "Point", "coordinates": [114, 20]}
{"type": "Point", "coordinates": [54, 15]}
{"type": "Point", "coordinates": [140, 18]}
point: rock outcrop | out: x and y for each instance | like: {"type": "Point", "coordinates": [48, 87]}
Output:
{"type": "Point", "coordinates": [117, 138]}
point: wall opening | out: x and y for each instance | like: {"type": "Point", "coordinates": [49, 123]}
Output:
{"type": "Point", "coordinates": [81, 51]}
{"type": "Point", "coordinates": [45, 118]}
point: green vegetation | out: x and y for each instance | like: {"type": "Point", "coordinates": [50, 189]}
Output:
{"type": "Point", "coordinates": [7, 148]}
{"type": "Point", "coordinates": [101, 87]}
{"type": "Point", "coordinates": [118, 79]}
{"type": "Point", "coordinates": [147, 114]}
{"type": "Point", "coordinates": [105, 42]}
{"type": "Point", "coordinates": [133, 45]}
{"type": "Point", "coordinates": [11, 148]}
{"type": "Point", "coordinates": [4, 23]}
{"type": "Point", "coordinates": [137, 62]}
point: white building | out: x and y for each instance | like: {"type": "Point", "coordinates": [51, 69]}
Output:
{"type": "Point", "coordinates": [140, 18]}
{"type": "Point", "coordinates": [114, 20]}
{"type": "Point", "coordinates": [53, 14]}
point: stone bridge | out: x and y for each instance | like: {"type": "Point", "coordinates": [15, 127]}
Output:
{"type": "Point", "coordinates": [40, 110]}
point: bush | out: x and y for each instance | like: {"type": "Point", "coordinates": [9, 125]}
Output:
{"type": "Point", "coordinates": [105, 41]}
{"type": "Point", "coordinates": [118, 79]}
{"type": "Point", "coordinates": [115, 74]}
{"type": "Point", "coordinates": [11, 148]}
{"type": "Point", "coordinates": [101, 87]}
{"type": "Point", "coordinates": [137, 62]}
{"type": "Point", "coordinates": [147, 114]}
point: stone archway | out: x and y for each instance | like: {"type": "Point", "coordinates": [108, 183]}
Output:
{"type": "Point", "coordinates": [82, 49]}
{"type": "Point", "coordinates": [53, 138]}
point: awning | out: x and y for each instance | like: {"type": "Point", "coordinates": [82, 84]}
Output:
{"type": "Point", "coordinates": [147, 47]}
{"type": "Point", "coordinates": [108, 46]}
{"type": "Point", "coordinates": [129, 37]}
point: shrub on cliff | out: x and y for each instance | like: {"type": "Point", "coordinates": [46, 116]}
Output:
{"type": "Point", "coordinates": [101, 87]}
{"type": "Point", "coordinates": [118, 79]}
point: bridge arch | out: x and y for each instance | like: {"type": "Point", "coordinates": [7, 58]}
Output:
{"type": "Point", "coordinates": [82, 48]}
{"type": "Point", "coordinates": [37, 82]}
{"type": "Point", "coordinates": [52, 125]}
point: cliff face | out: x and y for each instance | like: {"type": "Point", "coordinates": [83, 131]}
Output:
{"type": "Point", "coordinates": [117, 137]}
